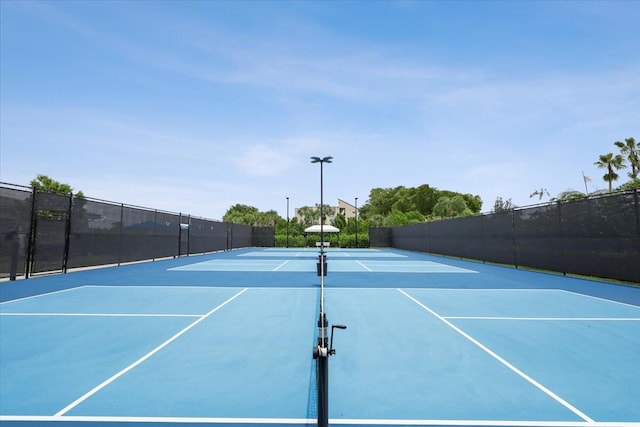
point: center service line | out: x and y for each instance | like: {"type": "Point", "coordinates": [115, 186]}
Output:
{"type": "Point", "coordinates": [503, 361]}
{"type": "Point", "coordinates": [145, 357]}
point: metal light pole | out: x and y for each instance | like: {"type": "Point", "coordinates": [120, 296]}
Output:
{"type": "Point", "coordinates": [327, 159]}
{"type": "Point", "coordinates": [287, 222]}
{"type": "Point", "coordinates": [356, 222]}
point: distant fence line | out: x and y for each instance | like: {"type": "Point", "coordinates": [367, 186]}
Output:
{"type": "Point", "coordinates": [594, 237]}
{"type": "Point", "coordinates": [46, 232]}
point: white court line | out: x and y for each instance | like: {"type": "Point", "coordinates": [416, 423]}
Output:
{"type": "Point", "coordinates": [368, 269]}
{"type": "Point", "coordinates": [145, 357]}
{"type": "Point", "coordinates": [42, 295]}
{"type": "Point", "coordinates": [395, 262]}
{"type": "Point", "coordinates": [482, 289]}
{"type": "Point", "coordinates": [546, 319]}
{"type": "Point", "coordinates": [221, 264]}
{"type": "Point", "coordinates": [599, 298]}
{"type": "Point", "coordinates": [480, 423]}
{"type": "Point", "coordinates": [100, 314]}
{"type": "Point", "coordinates": [167, 420]}
{"type": "Point", "coordinates": [161, 287]}
{"type": "Point", "coordinates": [503, 361]}
{"type": "Point", "coordinates": [281, 265]}
{"type": "Point", "coordinates": [306, 421]}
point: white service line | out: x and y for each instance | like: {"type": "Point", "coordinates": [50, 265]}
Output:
{"type": "Point", "coordinates": [599, 298]}
{"type": "Point", "coordinates": [503, 361]}
{"type": "Point", "coordinates": [101, 314]}
{"type": "Point", "coordinates": [549, 319]}
{"type": "Point", "coordinates": [157, 420]}
{"type": "Point", "coordinates": [481, 423]}
{"type": "Point", "coordinates": [368, 269]}
{"type": "Point", "coordinates": [281, 265]}
{"type": "Point", "coordinates": [143, 358]}
{"type": "Point", "coordinates": [42, 295]}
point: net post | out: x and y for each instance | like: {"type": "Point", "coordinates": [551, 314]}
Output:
{"type": "Point", "coordinates": [322, 372]}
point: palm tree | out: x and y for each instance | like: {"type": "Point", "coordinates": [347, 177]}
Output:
{"type": "Point", "coordinates": [610, 162]}
{"type": "Point", "coordinates": [308, 215]}
{"type": "Point", "coordinates": [449, 207]}
{"type": "Point", "coordinates": [631, 149]}
{"type": "Point", "coordinates": [540, 193]}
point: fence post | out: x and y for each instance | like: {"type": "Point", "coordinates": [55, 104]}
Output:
{"type": "Point", "coordinates": [483, 253]}
{"type": "Point", "coordinates": [67, 235]}
{"type": "Point", "coordinates": [189, 236]}
{"type": "Point", "coordinates": [32, 235]}
{"type": "Point", "coordinates": [513, 238]}
{"type": "Point", "coordinates": [637, 206]}
{"type": "Point", "coordinates": [561, 237]}
{"type": "Point", "coordinates": [179, 233]}
{"type": "Point", "coordinates": [15, 249]}
{"type": "Point", "coordinates": [155, 234]}
{"type": "Point", "coordinates": [120, 233]}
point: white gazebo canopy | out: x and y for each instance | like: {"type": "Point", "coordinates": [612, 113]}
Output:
{"type": "Point", "coordinates": [325, 228]}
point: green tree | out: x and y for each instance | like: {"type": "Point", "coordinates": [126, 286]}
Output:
{"type": "Point", "coordinates": [611, 163]}
{"type": "Point", "coordinates": [308, 215]}
{"type": "Point", "coordinates": [339, 222]}
{"type": "Point", "coordinates": [568, 195]}
{"type": "Point", "coordinates": [241, 214]}
{"type": "Point", "coordinates": [381, 201]}
{"type": "Point", "coordinates": [376, 220]}
{"type": "Point", "coordinates": [281, 225]}
{"type": "Point", "coordinates": [267, 218]}
{"type": "Point", "coordinates": [539, 193]}
{"type": "Point", "coordinates": [422, 199]}
{"type": "Point", "coordinates": [503, 205]}
{"type": "Point", "coordinates": [415, 217]}
{"type": "Point", "coordinates": [396, 218]}
{"type": "Point", "coordinates": [631, 149]}
{"type": "Point", "coordinates": [449, 207]}
{"type": "Point", "coordinates": [327, 210]}
{"type": "Point", "coordinates": [474, 203]}
{"type": "Point", "coordinates": [45, 183]}
{"type": "Point", "coordinates": [634, 184]}
{"type": "Point", "coordinates": [403, 199]}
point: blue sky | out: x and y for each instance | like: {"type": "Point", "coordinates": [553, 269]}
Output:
{"type": "Point", "coordinates": [195, 106]}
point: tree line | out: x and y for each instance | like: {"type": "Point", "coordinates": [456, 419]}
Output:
{"type": "Point", "coordinates": [290, 233]}
{"type": "Point", "coordinates": [388, 207]}
{"type": "Point", "coordinates": [628, 156]}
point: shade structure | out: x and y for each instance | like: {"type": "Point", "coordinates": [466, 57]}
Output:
{"type": "Point", "coordinates": [325, 229]}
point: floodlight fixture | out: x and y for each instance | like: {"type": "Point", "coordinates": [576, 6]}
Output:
{"type": "Point", "coordinates": [326, 159]}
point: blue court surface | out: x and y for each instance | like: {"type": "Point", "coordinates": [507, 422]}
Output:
{"type": "Point", "coordinates": [226, 339]}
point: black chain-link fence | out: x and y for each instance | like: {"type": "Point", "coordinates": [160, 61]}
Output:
{"type": "Point", "coordinates": [45, 232]}
{"type": "Point", "coordinates": [594, 237]}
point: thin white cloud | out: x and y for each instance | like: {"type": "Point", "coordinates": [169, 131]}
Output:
{"type": "Point", "coordinates": [358, 71]}
{"type": "Point", "coordinates": [274, 159]}
{"type": "Point", "coordinates": [389, 114]}
{"type": "Point", "coordinates": [262, 160]}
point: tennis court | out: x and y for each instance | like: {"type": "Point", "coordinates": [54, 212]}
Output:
{"type": "Point", "coordinates": [226, 339]}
